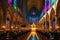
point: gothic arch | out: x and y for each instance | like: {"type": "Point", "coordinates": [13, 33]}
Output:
{"type": "Point", "coordinates": [52, 18]}
{"type": "Point", "coordinates": [38, 4]}
{"type": "Point", "coordinates": [52, 14]}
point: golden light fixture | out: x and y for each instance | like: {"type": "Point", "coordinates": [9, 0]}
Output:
{"type": "Point", "coordinates": [33, 27]}
{"type": "Point", "coordinates": [33, 32]}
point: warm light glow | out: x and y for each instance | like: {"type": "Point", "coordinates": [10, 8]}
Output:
{"type": "Point", "coordinates": [33, 27]}
{"type": "Point", "coordinates": [8, 29]}
{"type": "Point", "coordinates": [50, 27]}
{"type": "Point", "coordinates": [12, 27]}
{"type": "Point", "coordinates": [33, 30]}
{"type": "Point", "coordinates": [33, 34]}
{"type": "Point", "coordinates": [57, 27]}
{"type": "Point", "coordinates": [16, 27]}
{"type": "Point", "coordinates": [3, 26]}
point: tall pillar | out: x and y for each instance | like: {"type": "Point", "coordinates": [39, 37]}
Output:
{"type": "Point", "coordinates": [58, 13]}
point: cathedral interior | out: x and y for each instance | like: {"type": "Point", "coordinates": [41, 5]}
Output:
{"type": "Point", "coordinates": [29, 19]}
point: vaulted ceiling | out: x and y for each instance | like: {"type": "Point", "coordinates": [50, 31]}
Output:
{"type": "Point", "coordinates": [33, 3]}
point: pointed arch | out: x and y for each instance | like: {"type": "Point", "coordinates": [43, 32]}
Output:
{"type": "Point", "coordinates": [47, 17]}
{"type": "Point", "coordinates": [38, 4]}
{"type": "Point", "coordinates": [52, 14]}
{"type": "Point", "coordinates": [52, 18]}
